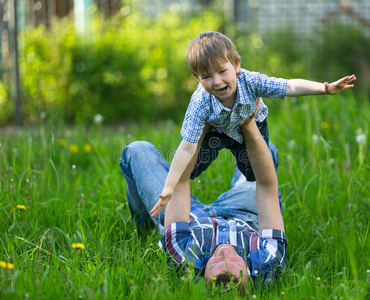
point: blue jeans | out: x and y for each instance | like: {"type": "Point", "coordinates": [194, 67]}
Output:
{"type": "Point", "coordinates": [145, 172]}
{"type": "Point", "coordinates": [214, 141]}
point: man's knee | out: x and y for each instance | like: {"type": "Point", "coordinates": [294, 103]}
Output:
{"type": "Point", "coordinates": [135, 150]}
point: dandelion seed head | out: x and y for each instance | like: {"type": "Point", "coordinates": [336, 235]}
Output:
{"type": "Point", "coordinates": [74, 167]}
{"type": "Point", "coordinates": [331, 161]}
{"type": "Point", "coordinates": [27, 180]}
{"type": "Point", "coordinates": [282, 293]}
{"type": "Point", "coordinates": [315, 138]}
{"type": "Point", "coordinates": [291, 144]}
{"type": "Point", "coordinates": [368, 271]}
{"type": "Point", "coordinates": [42, 115]}
{"type": "Point", "coordinates": [254, 296]}
{"type": "Point", "coordinates": [361, 139]}
{"type": "Point", "coordinates": [318, 278]}
{"type": "Point", "coordinates": [98, 119]}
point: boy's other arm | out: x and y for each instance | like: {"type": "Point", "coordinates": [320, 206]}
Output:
{"type": "Point", "coordinates": [302, 87]}
{"type": "Point", "coordinates": [182, 165]}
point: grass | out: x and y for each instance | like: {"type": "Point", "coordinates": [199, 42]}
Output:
{"type": "Point", "coordinates": [69, 181]}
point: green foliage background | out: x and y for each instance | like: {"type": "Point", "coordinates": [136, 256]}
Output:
{"type": "Point", "coordinates": [134, 67]}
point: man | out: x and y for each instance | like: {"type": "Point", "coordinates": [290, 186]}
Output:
{"type": "Point", "coordinates": [221, 239]}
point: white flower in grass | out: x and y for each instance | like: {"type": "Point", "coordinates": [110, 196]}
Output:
{"type": "Point", "coordinates": [315, 138]}
{"type": "Point", "coordinates": [74, 167]}
{"type": "Point", "coordinates": [98, 119]}
{"type": "Point", "coordinates": [318, 278]}
{"type": "Point", "coordinates": [368, 271]}
{"type": "Point", "coordinates": [291, 144]}
{"type": "Point", "coordinates": [361, 139]}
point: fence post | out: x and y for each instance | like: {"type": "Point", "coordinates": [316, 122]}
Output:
{"type": "Point", "coordinates": [13, 49]}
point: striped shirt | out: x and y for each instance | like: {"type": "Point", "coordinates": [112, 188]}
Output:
{"type": "Point", "coordinates": [205, 107]}
{"type": "Point", "coordinates": [264, 252]}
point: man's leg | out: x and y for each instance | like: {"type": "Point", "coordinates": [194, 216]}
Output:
{"type": "Point", "coordinates": [145, 172]}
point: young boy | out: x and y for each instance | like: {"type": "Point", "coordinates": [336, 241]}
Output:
{"type": "Point", "coordinates": [226, 96]}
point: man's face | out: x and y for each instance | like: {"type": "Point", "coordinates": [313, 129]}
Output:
{"type": "Point", "coordinates": [225, 260]}
{"type": "Point", "coordinates": [222, 83]}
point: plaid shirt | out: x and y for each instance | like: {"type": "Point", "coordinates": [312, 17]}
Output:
{"type": "Point", "coordinates": [205, 107]}
{"type": "Point", "coordinates": [264, 252]}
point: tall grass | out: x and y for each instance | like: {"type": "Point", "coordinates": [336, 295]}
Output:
{"type": "Point", "coordinates": [69, 181]}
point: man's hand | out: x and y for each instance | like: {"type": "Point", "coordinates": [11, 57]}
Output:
{"type": "Point", "coordinates": [252, 116]}
{"type": "Point", "coordinates": [164, 197]}
{"type": "Point", "coordinates": [339, 85]}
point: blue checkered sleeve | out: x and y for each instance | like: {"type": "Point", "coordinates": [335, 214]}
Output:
{"type": "Point", "coordinates": [195, 118]}
{"type": "Point", "coordinates": [268, 87]}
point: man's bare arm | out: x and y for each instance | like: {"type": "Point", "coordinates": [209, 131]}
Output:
{"type": "Point", "coordinates": [268, 208]}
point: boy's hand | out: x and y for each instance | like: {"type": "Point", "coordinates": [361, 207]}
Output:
{"type": "Point", "coordinates": [164, 197]}
{"type": "Point", "coordinates": [339, 85]}
{"type": "Point", "coordinates": [251, 117]}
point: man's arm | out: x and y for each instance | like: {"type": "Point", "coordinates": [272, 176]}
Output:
{"type": "Point", "coordinates": [268, 208]}
{"type": "Point", "coordinates": [178, 209]}
{"type": "Point", "coordinates": [181, 160]}
{"type": "Point", "coordinates": [302, 87]}
{"type": "Point", "coordinates": [182, 165]}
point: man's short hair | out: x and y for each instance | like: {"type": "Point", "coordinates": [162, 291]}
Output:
{"type": "Point", "coordinates": [208, 51]}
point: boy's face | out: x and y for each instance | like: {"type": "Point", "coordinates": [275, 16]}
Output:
{"type": "Point", "coordinates": [222, 83]}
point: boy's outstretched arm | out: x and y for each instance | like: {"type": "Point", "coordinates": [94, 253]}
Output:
{"type": "Point", "coordinates": [302, 87]}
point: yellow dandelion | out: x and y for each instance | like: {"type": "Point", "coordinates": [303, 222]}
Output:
{"type": "Point", "coordinates": [62, 142]}
{"type": "Point", "coordinates": [117, 228]}
{"type": "Point", "coordinates": [132, 281]}
{"type": "Point", "coordinates": [74, 148]}
{"type": "Point", "coordinates": [324, 125]}
{"type": "Point", "coordinates": [214, 278]}
{"type": "Point", "coordinates": [325, 281]}
{"type": "Point", "coordinates": [21, 207]}
{"type": "Point", "coordinates": [6, 265]}
{"type": "Point", "coordinates": [191, 264]}
{"type": "Point", "coordinates": [151, 245]}
{"type": "Point", "coordinates": [78, 246]}
{"type": "Point", "coordinates": [160, 279]}
{"type": "Point", "coordinates": [87, 148]}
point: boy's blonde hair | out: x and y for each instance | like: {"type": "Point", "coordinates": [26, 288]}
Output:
{"type": "Point", "coordinates": [208, 51]}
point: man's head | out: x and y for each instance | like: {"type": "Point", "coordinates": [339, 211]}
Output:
{"type": "Point", "coordinates": [226, 265]}
{"type": "Point", "coordinates": [209, 51]}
